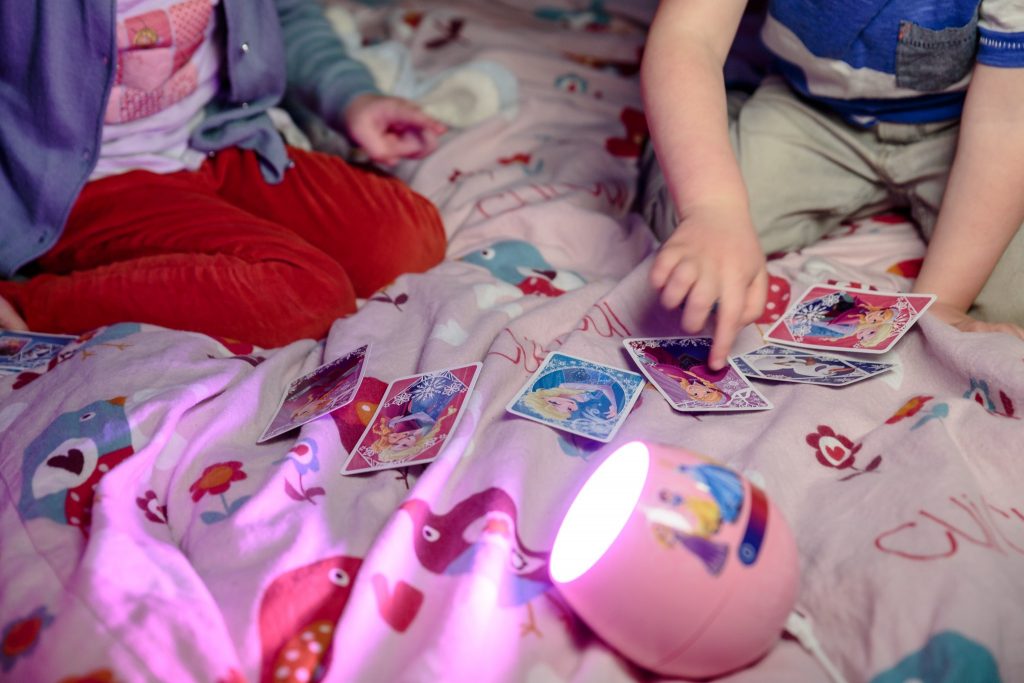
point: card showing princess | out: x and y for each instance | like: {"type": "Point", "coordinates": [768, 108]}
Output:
{"type": "Point", "coordinates": [775, 363]}
{"type": "Point", "coordinates": [848, 319]}
{"type": "Point", "coordinates": [578, 396]}
{"type": "Point", "coordinates": [318, 392]}
{"type": "Point", "coordinates": [678, 369]}
{"type": "Point", "coordinates": [414, 420]}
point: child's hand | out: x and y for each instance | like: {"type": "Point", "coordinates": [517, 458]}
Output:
{"type": "Point", "coordinates": [713, 260]}
{"type": "Point", "coordinates": [965, 323]}
{"type": "Point", "coordinates": [9, 318]}
{"type": "Point", "coordinates": [391, 128]}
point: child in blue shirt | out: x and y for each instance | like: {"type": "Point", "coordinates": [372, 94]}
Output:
{"type": "Point", "coordinates": [875, 105]}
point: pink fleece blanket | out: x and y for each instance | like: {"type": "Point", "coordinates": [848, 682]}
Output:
{"type": "Point", "coordinates": [145, 536]}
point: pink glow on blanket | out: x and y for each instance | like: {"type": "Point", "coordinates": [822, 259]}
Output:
{"type": "Point", "coordinates": [600, 512]}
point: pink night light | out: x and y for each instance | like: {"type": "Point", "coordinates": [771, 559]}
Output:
{"type": "Point", "coordinates": [677, 562]}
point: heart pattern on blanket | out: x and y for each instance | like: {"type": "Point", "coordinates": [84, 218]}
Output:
{"type": "Point", "coordinates": [73, 461]}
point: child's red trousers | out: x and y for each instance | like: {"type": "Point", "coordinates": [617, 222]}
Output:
{"type": "Point", "coordinates": [223, 252]}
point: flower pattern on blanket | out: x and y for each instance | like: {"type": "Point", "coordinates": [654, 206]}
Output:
{"type": "Point", "coordinates": [479, 535]}
{"type": "Point", "coordinates": [152, 508]}
{"type": "Point", "coordinates": [521, 265]}
{"type": "Point", "coordinates": [980, 393]}
{"type": "Point", "coordinates": [64, 464]}
{"type": "Point", "coordinates": [215, 481]}
{"type": "Point", "coordinates": [298, 613]}
{"type": "Point", "coordinates": [934, 411]}
{"type": "Point", "coordinates": [832, 449]}
{"type": "Point", "coordinates": [839, 452]}
{"type": "Point", "coordinates": [303, 457]}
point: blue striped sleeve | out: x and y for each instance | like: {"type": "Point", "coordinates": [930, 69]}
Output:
{"type": "Point", "coordinates": [996, 48]}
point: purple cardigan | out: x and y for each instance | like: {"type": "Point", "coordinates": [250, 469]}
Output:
{"type": "Point", "coordinates": [56, 71]}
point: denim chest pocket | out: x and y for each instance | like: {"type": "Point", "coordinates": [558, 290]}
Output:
{"type": "Point", "coordinates": [928, 60]}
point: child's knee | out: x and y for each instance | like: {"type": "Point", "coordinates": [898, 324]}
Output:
{"type": "Point", "coordinates": [300, 302]}
{"type": "Point", "coordinates": [425, 236]}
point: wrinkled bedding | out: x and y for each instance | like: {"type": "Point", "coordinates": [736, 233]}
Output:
{"type": "Point", "coordinates": [145, 536]}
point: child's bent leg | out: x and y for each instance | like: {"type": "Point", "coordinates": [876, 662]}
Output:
{"type": "Point", "coordinates": [166, 250]}
{"type": "Point", "coordinates": [806, 171]}
{"type": "Point", "coordinates": [374, 225]}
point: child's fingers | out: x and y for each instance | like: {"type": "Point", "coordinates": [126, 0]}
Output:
{"type": "Point", "coordinates": [389, 147]}
{"type": "Point", "coordinates": [736, 309]}
{"type": "Point", "coordinates": [404, 146]}
{"type": "Point", "coordinates": [756, 297]}
{"type": "Point", "coordinates": [727, 326]}
{"type": "Point", "coordinates": [408, 115]}
{"type": "Point", "coordinates": [677, 287]}
{"type": "Point", "coordinates": [428, 140]}
{"type": "Point", "coordinates": [701, 298]}
{"type": "Point", "coordinates": [665, 261]}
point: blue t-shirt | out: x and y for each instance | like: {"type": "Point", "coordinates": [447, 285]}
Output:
{"type": "Point", "coordinates": [902, 61]}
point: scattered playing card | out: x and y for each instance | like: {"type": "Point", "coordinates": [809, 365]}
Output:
{"type": "Point", "coordinates": [414, 420]}
{"type": "Point", "coordinates": [319, 392]}
{"type": "Point", "coordinates": [677, 367]}
{"type": "Point", "coordinates": [846, 319]}
{"type": "Point", "coordinates": [27, 350]}
{"type": "Point", "coordinates": [578, 396]}
{"type": "Point", "coordinates": [786, 364]}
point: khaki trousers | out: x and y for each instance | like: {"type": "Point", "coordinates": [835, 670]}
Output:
{"type": "Point", "coordinates": [807, 171]}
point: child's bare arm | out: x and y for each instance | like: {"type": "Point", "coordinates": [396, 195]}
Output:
{"type": "Point", "coordinates": [984, 201]}
{"type": "Point", "coordinates": [713, 257]}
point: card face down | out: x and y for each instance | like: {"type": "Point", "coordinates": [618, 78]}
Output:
{"type": "Point", "coordinates": [848, 319]}
{"type": "Point", "coordinates": [414, 420]}
{"type": "Point", "coordinates": [786, 364]}
{"type": "Point", "coordinates": [578, 396]}
{"type": "Point", "coordinates": [28, 350]}
{"type": "Point", "coordinates": [677, 367]}
{"type": "Point", "coordinates": [319, 392]}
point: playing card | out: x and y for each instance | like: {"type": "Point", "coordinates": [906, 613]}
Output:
{"type": "Point", "coordinates": [847, 319]}
{"type": "Point", "coordinates": [26, 350]}
{"type": "Point", "coordinates": [319, 392]}
{"type": "Point", "coordinates": [414, 420]}
{"type": "Point", "coordinates": [677, 367]}
{"type": "Point", "coordinates": [578, 396]}
{"type": "Point", "coordinates": [785, 364]}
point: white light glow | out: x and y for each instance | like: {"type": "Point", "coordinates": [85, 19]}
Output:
{"type": "Point", "coordinates": [600, 511]}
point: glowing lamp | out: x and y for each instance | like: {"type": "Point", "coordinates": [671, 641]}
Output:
{"type": "Point", "coordinates": [676, 561]}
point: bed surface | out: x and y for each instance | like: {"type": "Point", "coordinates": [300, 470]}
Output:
{"type": "Point", "coordinates": [145, 536]}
